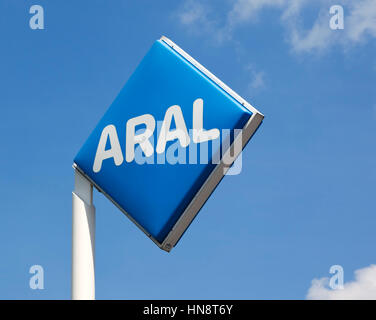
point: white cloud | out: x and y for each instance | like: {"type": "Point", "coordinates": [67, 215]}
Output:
{"type": "Point", "coordinates": [318, 38]}
{"type": "Point", "coordinates": [360, 25]}
{"type": "Point", "coordinates": [195, 16]}
{"type": "Point", "coordinates": [360, 21]}
{"type": "Point", "coordinates": [244, 10]}
{"type": "Point", "coordinates": [257, 78]}
{"type": "Point", "coordinates": [362, 288]}
{"type": "Point", "coordinates": [193, 12]}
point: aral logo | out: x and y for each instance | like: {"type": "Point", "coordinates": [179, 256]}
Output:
{"type": "Point", "coordinates": [109, 134]}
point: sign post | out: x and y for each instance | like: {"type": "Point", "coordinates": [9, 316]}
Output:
{"type": "Point", "coordinates": [83, 239]}
{"type": "Point", "coordinates": [165, 143]}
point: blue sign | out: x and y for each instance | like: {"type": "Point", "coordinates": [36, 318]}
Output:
{"type": "Point", "coordinates": [166, 141]}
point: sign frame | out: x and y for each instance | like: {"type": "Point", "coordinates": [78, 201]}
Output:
{"type": "Point", "coordinates": [216, 175]}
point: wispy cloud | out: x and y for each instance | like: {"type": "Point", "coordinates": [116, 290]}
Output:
{"type": "Point", "coordinates": [196, 17]}
{"type": "Point", "coordinates": [362, 288]}
{"type": "Point", "coordinates": [360, 26]}
{"type": "Point", "coordinates": [318, 38]}
{"type": "Point", "coordinates": [244, 10]}
{"type": "Point", "coordinates": [360, 18]}
{"type": "Point", "coordinates": [192, 13]}
{"type": "Point", "coordinates": [257, 78]}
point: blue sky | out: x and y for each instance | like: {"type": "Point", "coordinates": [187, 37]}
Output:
{"type": "Point", "coordinates": [304, 200]}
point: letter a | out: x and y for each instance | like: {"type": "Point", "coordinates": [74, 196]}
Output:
{"type": "Point", "coordinates": [336, 281]}
{"type": "Point", "coordinates": [113, 152]}
{"type": "Point", "coordinates": [37, 20]}
{"type": "Point", "coordinates": [37, 280]}
{"type": "Point", "coordinates": [337, 21]}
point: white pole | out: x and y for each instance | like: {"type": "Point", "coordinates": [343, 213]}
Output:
{"type": "Point", "coordinates": [83, 239]}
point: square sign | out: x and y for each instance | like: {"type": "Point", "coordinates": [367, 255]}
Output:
{"type": "Point", "coordinates": [166, 142]}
